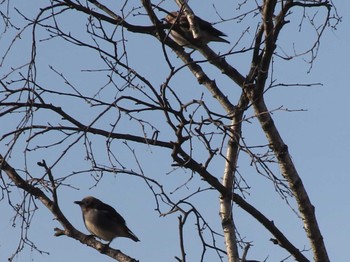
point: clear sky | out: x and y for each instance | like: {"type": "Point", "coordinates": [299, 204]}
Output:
{"type": "Point", "coordinates": [317, 139]}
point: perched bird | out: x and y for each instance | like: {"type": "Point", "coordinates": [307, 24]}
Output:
{"type": "Point", "coordinates": [103, 221]}
{"type": "Point", "coordinates": [182, 35]}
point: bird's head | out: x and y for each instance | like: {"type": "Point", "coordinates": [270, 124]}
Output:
{"type": "Point", "coordinates": [88, 202]}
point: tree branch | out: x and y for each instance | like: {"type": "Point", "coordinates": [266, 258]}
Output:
{"type": "Point", "coordinates": [290, 173]}
{"type": "Point", "coordinates": [69, 230]}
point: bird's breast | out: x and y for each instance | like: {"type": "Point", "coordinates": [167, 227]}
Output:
{"type": "Point", "coordinates": [98, 225]}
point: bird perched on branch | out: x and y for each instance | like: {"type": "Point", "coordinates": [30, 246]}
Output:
{"type": "Point", "coordinates": [182, 35]}
{"type": "Point", "coordinates": [104, 221]}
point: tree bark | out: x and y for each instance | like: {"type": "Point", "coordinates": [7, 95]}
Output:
{"type": "Point", "coordinates": [290, 173]}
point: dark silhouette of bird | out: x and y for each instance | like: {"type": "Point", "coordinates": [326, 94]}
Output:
{"type": "Point", "coordinates": [104, 221]}
{"type": "Point", "coordinates": [182, 35]}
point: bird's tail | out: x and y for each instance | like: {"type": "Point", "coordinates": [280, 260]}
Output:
{"type": "Point", "coordinates": [131, 235]}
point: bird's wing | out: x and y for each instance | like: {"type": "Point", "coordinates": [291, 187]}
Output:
{"type": "Point", "coordinates": [112, 214]}
{"type": "Point", "coordinates": [206, 26]}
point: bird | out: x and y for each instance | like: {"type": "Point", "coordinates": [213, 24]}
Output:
{"type": "Point", "coordinates": [182, 35]}
{"type": "Point", "coordinates": [103, 221]}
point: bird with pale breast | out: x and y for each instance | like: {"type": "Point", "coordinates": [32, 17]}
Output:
{"type": "Point", "coordinates": [182, 35]}
{"type": "Point", "coordinates": [103, 221]}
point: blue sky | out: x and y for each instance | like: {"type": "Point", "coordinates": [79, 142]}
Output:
{"type": "Point", "coordinates": [317, 139]}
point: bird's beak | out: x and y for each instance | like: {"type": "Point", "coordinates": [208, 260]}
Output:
{"type": "Point", "coordinates": [78, 202]}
